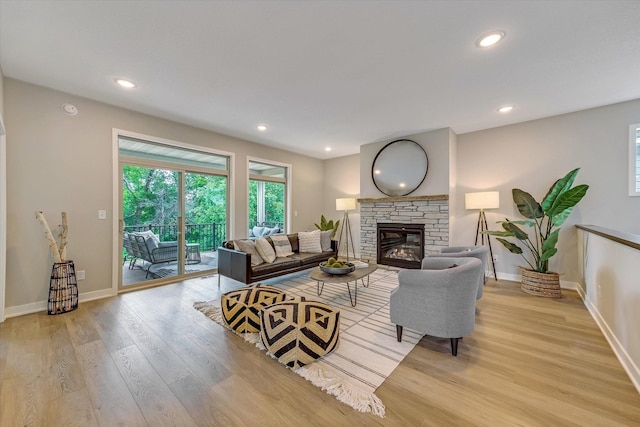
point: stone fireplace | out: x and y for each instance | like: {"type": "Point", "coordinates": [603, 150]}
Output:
{"type": "Point", "coordinates": [429, 212]}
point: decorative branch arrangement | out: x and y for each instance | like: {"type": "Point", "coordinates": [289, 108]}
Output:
{"type": "Point", "coordinates": [59, 253]}
{"type": "Point", "coordinates": [63, 288]}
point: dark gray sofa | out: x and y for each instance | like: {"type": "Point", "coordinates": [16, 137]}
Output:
{"type": "Point", "coordinates": [237, 265]}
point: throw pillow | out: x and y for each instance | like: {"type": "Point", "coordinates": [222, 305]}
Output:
{"type": "Point", "coordinates": [265, 250]}
{"type": "Point", "coordinates": [272, 231]}
{"type": "Point", "coordinates": [325, 240]}
{"type": "Point", "coordinates": [249, 246]}
{"type": "Point", "coordinates": [309, 241]}
{"type": "Point", "coordinates": [282, 245]}
{"type": "Point", "coordinates": [257, 231]}
{"type": "Point", "coordinates": [148, 234]}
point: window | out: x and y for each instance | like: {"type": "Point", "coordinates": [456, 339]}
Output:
{"type": "Point", "coordinates": [267, 194]}
{"type": "Point", "coordinates": [634, 160]}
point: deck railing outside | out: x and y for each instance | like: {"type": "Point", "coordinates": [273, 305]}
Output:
{"type": "Point", "coordinates": [209, 236]}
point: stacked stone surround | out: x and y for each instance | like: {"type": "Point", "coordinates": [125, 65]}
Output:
{"type": "Point", "coordinates": [432, 211]}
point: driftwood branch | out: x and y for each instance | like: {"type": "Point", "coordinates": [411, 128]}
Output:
{"type": "Point", "coordinates": [53, 246]}
{"type": "Point", "coordinates": [63, 237]}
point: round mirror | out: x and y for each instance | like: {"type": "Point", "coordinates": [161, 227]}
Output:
{"type": "Point", "coordinates": [400, 167]}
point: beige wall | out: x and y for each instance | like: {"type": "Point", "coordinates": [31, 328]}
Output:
{"type": "Point", "coordinates": [532, 155]}
{"type": "Point", "coordinates": [435, 143]}
{"type": "Point", "coordinates": [3, 199]}
{"type": "Point", "coordinates": [342, 179]}
{"type": "Point", "coordinates": [60, 163]}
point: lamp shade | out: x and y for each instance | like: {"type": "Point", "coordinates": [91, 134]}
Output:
{"type": "Point", "coordinates": [482, 200]}
{"type": "Point", "coordinates": [346, 204]}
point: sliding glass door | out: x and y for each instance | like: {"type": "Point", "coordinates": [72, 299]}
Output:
{"type": "Point", "coordinates": [173, 212]}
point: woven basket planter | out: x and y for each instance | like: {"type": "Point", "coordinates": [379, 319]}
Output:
{"type": "Point", "coordinates": [541, 284]}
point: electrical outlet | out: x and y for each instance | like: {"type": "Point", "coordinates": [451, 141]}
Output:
{"type": "Point", "coordinates": [80, 274]}
{"type": "Point", "coordinates": [102, 214]}
{"type": "Point", "coordinates": [495, 258]}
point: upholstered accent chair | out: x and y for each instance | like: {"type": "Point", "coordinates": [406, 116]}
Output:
{"type": "Point", "coordinates": [480, 252]}
{"type": "Point", "coordinates": [439, 299]}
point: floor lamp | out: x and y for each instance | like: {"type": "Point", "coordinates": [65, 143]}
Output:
{"type": "Point", "coordinates": [483, 200]}
{"type": "Point", "coordinates": [346, 205]}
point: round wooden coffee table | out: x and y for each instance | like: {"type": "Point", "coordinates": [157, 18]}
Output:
{"type": "Point", "coordinates": [358, 274]}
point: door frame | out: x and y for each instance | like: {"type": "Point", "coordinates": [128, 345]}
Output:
{"type": "Point", "coordinates": [3, 215]}
{"type": "Point", "coordinates": [116, 186]}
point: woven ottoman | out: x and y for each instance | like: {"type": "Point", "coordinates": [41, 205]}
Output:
{"type": "Point", "coordinates": [299, 332]}
{"type": "Point", "coordinates": [241, 308]}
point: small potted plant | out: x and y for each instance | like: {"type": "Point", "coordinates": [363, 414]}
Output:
{"type": "Point", "coordinates": [545, 218]}
{"type": "Point", "coordinates": [328, 225]}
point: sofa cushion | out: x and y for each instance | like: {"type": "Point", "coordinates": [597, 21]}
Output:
{"type": "Point", "coordinates": [257, 231]}
{"type": "Point", "coordinates": [266, 251]}
{"type": "Point", "coordinates": [249, 246]}
{"type": "Point", "coordinates": [309, 241]}
{"type": "Point", "coordinates": [282, 245]}
{"type": "Point", "coordinates": [311, 257]}
{"type": "Point", "coordinates": [279, 264]}
{"type": "Point", "coordinates": [293, 241]}
{"type": "Point", "coordinates": [272, 231]}
{"type": "Point", "coordinates": [325, 240]}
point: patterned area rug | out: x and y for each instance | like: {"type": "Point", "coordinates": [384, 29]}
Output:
{"type": "Point", "coordinates": [368, 350]}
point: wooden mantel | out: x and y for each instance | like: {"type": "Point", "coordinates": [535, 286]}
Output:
{"type": "Point", "coordinates": [404, 198]}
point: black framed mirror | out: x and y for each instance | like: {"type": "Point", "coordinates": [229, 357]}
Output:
{"type": "Point", "coordinates": [400, 167]}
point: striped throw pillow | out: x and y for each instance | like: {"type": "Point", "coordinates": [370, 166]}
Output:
{"type": "Point", "coordinates": [309, 241]}
{"type": "Point", "coordinates": [282, 245]}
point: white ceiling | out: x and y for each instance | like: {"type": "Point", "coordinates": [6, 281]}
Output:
{"type": "Point", "coordinates": [329, 73]}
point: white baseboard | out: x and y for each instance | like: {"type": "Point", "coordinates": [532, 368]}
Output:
{"type": "Point", "coordinates": [564, 284]}
{"type": "Point", "coordinates": [625, 360]}
{"type": "Point", "coordinates": [34, 307]}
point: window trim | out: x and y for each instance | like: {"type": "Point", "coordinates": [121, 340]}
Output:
{"type": "Point", "coordinates": [286, 181]}
{"type": "Point", "coordinates": [634, 152]}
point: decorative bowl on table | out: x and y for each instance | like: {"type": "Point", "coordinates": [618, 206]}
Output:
{"type": "Point", "coordinates": [337, 268]}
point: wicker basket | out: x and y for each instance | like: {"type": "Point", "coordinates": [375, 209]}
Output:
{"type": "Point", "coordinates": [541, 284]}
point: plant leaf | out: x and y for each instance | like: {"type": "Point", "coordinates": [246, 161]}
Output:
{"type": "Point", "coordinates": [523, 222]}
{"type": "Point", "coordinates": [559, 187]}
{"type": "Point", "coordinates": [527, 205]}
{"type": "Point", "coordinates": [513, 248]}
{"type": "Point", "coordinates": [549, 246]}
{"type": "Point", "coordinates": [568, 199]}
{"type": "Point", "coordinates": [499, 233]}
{"type": "Point", "coordinates": [559, 219]}
{"type": "Point", "coordinates": [516, 231]}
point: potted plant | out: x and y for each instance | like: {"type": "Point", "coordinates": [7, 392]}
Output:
{"type": "Point", "coordinates": [545, 218]}
{"type": "Point", "coordinates": [328, 225]}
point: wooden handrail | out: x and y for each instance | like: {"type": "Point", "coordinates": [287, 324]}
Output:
{"type": "Point", "coordinates": [627, 239]}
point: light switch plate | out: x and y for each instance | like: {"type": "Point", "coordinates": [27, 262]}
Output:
{"type": "Point", "coordinates": [102, 214]}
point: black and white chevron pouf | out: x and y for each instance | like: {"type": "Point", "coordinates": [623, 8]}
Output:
{"type": "Point", "coordinates": [299, 332]}
{"type": "Point", "coordinates": [241, 308]}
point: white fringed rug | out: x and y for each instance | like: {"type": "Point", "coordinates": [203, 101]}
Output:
{"type": "Point", "coordinates": [368, 350]}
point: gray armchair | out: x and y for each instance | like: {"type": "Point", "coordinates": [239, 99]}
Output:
{"type": "Point", "coordinates": [480, 252]}
{"type": "Point", "coordinates": [439, 299]}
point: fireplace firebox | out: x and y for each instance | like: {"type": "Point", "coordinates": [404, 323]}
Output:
{"type": "Point", "coordinates": [400, 245]}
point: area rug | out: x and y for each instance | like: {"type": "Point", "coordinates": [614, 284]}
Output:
{"type": "Point", "coordinates": [368, 351]}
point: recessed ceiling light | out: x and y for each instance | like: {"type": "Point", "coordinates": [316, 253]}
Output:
{"type": "Point", "coordinates": [261, 128]}
{"type": "Point", "coordinates": [126, 83]}
{"type": "Point", "coordinates": [327, 148]}
{"type": "Point", "coordinates": [505, 109]}
{"type": "Point", "coordinates": [490, 39]}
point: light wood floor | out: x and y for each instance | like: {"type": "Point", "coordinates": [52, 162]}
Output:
{"type": "Point", "coordinates": [147, 358]}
